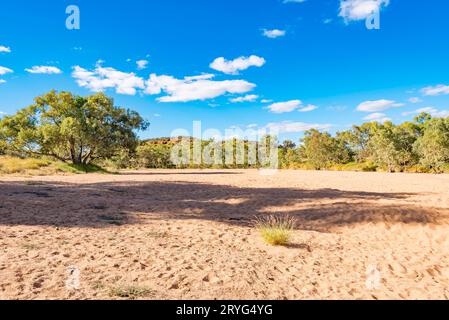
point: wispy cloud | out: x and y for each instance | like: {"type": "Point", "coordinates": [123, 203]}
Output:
{"type": "Point", "coordinates": [234, 66]}
{"type": "Point", "coordinates": [290, 106]}
{"type": "Point", "coordinates": [308, 108]}
{"type": "Point", "coordinates": [378, 105]}
{"type": "Point", "coordinates": [378, 116]}
{"type": "Point", "coordinates": [4, 70]}
{"type": "Point", "coordinates": [431, 110]}
{"type": "Point", "coordinates": [440, 89]}
{"type": "Point", "coordinates": [274, 33]}
{"type": "Point", "coordinates": [44, 70]}
{"type": "Point", "coordinates": [415, 100]}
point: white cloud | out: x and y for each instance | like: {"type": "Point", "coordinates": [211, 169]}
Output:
{"type": "Point", "coordinates": [44, 70]}
{"type": "Point", "coordinates": [435, 91]}
{"type": "Point", "coordinates": [327, 21]}
{"type": "Point", "coordinates": [431, 110]}
{"type": "Point", "coordinates": [294, 127]}
{"type": "Point", "coordinates": [247, 98]}
{"type": "Point", "coordinates": [142, 64]}
{"type": "Point", "coordinates": [378, 116]}
{"type": "Point", "coordinates": [290, 106]}
{"type": "Point", "coordinates": [378, 105]}
{"type": "Point", "coordinates": [194, 88]}
{"type": "Point", "coordinates": [266, 101]}
{"type": "Point", "coordinates": [415, 100]}
{"type": "Point", "coordinates": [234, 66]}
{"type": "Point", "coordinates": [2, 81]}
{"type": "Point", "coordinates": [102, 78]}
{"type": "Point", "coordinates": [275, 33]}
{"type": "Point", "coordinates": [4, 49]}
{"type": "Point", "coordinates": [4, 70]}
{"type": "Point", "coordinates": [360, 9]}
{"type": "Point", "coordinates": [308, 108]}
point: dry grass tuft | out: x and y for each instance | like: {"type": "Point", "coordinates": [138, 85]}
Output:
{"type": "Point", "coordinates": [276, 230]}
{"type": "Point", "coordinates": [130, 292]}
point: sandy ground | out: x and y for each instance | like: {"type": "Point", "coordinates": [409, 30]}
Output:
{"type": "Point", "coordinates": [189, 235]}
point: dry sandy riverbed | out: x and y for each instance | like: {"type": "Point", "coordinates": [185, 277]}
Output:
{"type": "Point", "coordinates": [188, 234]}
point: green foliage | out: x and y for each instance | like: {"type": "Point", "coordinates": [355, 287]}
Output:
{"type": "Point", "coordinates": [153, 155]}
{"type": "Point", "coordinates": [71, 128]}
{"type": "Point", "coordinates": [392, 146]}
{"type": "Point", "coordinates": [322, 150]}
{"type": "Point", "coordinates": [357, 140]}
{"type": "Point", "coordinates": [355, 166]}
{"type": "Point", "coordinates": [77, 168]}
{"type": "Point", "coordinates": [433, 146]}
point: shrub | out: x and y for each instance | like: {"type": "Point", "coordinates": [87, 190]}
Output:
{"type": "Point", "coordinates": [79, 168]}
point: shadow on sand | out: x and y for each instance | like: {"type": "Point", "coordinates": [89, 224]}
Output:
{"type": "Point", "coordinates": [115, 203]}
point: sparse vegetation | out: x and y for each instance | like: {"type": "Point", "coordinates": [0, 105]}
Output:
{"type": "Point", "coordinates": [276, 230]}
{"type": "Point", "coordinates": [158, 234]}
{"type": "Point", "coordinates": [98, 285]}
{"type": "Point", "coordinates": [130, 292]}
{"type": "Point", "coordinates": [30, 246]}
{"type": "Point", "coordinates": [33, 166]}
{"type": "Point", "coordinates": [11, 165]}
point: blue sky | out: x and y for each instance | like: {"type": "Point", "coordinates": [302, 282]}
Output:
{"type": "Point", "coordinates": [290, 65]}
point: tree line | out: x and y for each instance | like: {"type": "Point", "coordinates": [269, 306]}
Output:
{"type": "Point", "coordinates": [421, 145]}
{"type": "Point", "coordinates": [92, 130]}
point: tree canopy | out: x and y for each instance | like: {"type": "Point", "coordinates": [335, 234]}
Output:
{"type": "Point", "coordinates": [71, 128]}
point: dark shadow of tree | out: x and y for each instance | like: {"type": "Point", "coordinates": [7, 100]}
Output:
{"type": "Point", "coordinates": [113, 204]}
